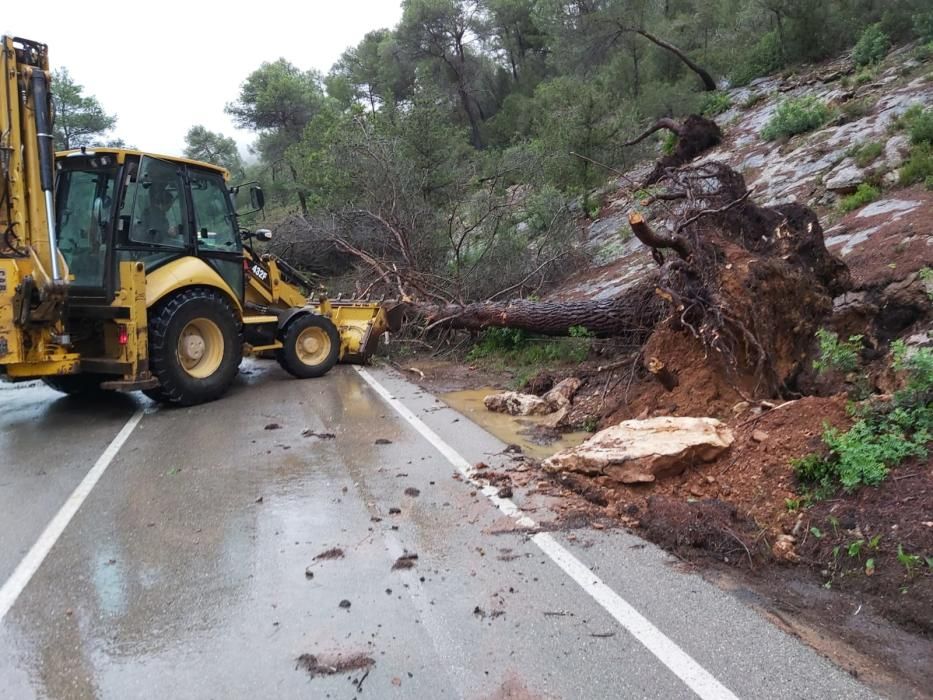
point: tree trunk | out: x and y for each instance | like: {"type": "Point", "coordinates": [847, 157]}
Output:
{"type": "Point", "coordinates": [633, 314]}
{"type": "Point", "coordinates": [708, 83]}
{"type": "Point", "coordinates": [475, 139]}
{"type": "Point", "coordinates": [302, 198]}
{"type": "Point", "coordinates": [695, 135]}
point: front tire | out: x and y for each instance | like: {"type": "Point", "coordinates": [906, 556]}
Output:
{"type": "Point", "coordinates": [311, 347]}
{"type": "Point", "coordinates": [195, 347]}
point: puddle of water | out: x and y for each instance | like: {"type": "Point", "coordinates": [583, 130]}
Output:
{"type": "Point", "coordinates": [505, 427]}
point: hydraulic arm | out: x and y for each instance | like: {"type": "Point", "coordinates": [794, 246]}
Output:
{"type": "Point", "coordinates": [33, 274]}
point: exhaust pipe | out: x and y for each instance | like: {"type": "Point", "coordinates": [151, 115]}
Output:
{"type": "Point", "coordinates": [42, 106]}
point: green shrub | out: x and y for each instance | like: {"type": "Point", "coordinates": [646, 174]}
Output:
{"type": "Point", "coordinates": [518, 348]}
{"type": "Point", "coordinates": [903, 121]}
{"type": "Point", "coordinates": [669, 143]}
{"type": "Point", "coordinates": [796, 116]}
{"type": "Point", "coordinates": [497, 341]}
{"type": "Point", "coordinates": [923, 26]}
{"type": "Point", "coordinates": [924, 52]}
{"type": "Point", "coordinates": [856, 109]}
{"type": "Point", "coordinates": [715, 103]}
{"type": "Point", "coordinates": [864, 76]}
{"type": "Point", "coordinates": [836, 355]}
{"type": "Point", "coordinates": [764, 58]}
{"type": "Point", "coordinates": [918, 122]}
{"type": "Point", "coordinates": [918, 167]}
{"type": "Point", "coordinates": [926, 276]}
{"type": "Point", "coordinates": [884, 434]}
{"type": "Point", "coordinates": [753, 99]}
{"type": "Point", "coordinates": [920, 127]}
{"type": "Point", "coordinates": [865, 194]}
{"type": "Point", "coordinates": [871, 46]}
{"type": "Point", "coordinates": [917, 364]}
{"type": "Point", "coordinates": [866, 153]}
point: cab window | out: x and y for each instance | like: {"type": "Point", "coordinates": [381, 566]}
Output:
{"type": "Point", "coordinates": [85, 198]}
{"type": "Point", "coordinates": [213, 215]}
{"type": "Point", "coordinates": [159, 215]}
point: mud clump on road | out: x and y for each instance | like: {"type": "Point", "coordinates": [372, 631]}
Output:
{"type": "Point", "coordinates": [406, 561]}
{"type": "Point", "coordinates": [334, 664]}
{"type": "Point", "coordinates": [412, 492]}
{"type": "Point", "coordinates": [333, 553]}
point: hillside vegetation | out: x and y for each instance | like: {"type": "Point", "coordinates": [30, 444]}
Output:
{"type": "Point", "coordinates": [453, 154]}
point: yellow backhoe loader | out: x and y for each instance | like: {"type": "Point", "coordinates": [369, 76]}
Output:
{"type": "Point", "coordinates": [124, 270]}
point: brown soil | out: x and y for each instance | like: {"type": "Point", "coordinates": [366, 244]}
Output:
{"type": "Point", "coordinates": [406, 561]}
{"type": "Point", "coordinates": [899, 247]}
{"type": "Point", "coordinates": [899, 513]}
{"type": "Point", "coordinates": [702, 389]}
{"type": "Point", "coordinates": [333, 664]}
{"type": "Point", "coordinates": [334, 553]}
{"type": "Point", "coordinates": [443, 376]}
{"type": "Point", "coordinates": [729, 514]}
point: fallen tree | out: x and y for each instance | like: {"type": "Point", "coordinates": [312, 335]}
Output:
{"type": "Point", "coordinates": [634, 314]}
{"type": "Point", "coordinates": [750, 284]}
{"type": "Point", "coordinates": [745, 287]}
{"type": "Point", "coordinates": [694, 136]}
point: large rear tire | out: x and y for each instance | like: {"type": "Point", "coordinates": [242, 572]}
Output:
{"type": "Point", "coordinates": [75, 384]}
{"type": "Point", "coordinates": [311, 347]}
{"type": "Point", "coordinates": [195, 347]}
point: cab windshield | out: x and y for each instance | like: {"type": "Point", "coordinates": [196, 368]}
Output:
{"type": "Point", "coordinates": [84, 202]}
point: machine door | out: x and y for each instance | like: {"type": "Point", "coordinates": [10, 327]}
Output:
{"type": "Point", "coordinates": [216, 234]}
{"type": "Point", "coordinates": [154, 225]}
{"type": "Point", "coordinates": [84, 210]}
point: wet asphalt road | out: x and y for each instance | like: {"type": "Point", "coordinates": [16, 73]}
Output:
{"type": "Point", "coordinates": [183, 574]}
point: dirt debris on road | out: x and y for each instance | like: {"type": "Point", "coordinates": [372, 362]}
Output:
{"type": "Point", "coordinates": [332, 553]}
{"type": "Point", "coordinates": [406, 561]}
{"type": "Point", "coordinates": [334, 664]}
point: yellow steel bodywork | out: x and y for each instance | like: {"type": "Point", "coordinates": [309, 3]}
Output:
{"type": "Point", "coordinates": [182, 273]}
{"type": "Point", "coordinates": [34, 340]}
{"type": "Point", "coordinates": [28, 345]}
{"type": "Point", "coordinates": [120, 154]}
{"type": "Point", "coordinates": [360, 323]}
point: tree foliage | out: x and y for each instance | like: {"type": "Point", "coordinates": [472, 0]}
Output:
{"type": "Point", "coordinates": [428, 144]}
{"type": "Point", "coordinates": [80, 120]}
{"type": "Point", "coordinates": [212, 147]}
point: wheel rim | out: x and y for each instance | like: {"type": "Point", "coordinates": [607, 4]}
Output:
{"type": "Point", "coordinates": [200, 348]}
{"type": "Point", "coordinates": [312, 346]}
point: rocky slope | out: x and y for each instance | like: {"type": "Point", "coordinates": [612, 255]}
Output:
{"type": "Point", "coordinates": [882, 243]}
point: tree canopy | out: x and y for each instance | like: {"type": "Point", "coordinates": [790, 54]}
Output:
{"type": "Point", "coordinates": [80, 120]}
{"type": "Point", "coordinates": [213, 147]}
{"type": "Point", "coordinates": [455, 142]}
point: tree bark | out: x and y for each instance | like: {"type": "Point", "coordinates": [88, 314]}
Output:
{"type": "Point", "coordinates": [651, 238]}
{"type": "Point", "coordinates": [634, 313]}
{"type": "Point", "coordinates": [302, 198]}
{"type": "Point", "coordinates": [663, 123]}
{"type": "Point", "coordinates": [709, 84]}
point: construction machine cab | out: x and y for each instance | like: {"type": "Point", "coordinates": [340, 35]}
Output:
{"type": "Point", "coordinates": [127, 270]}
{"type": "Point", "coordinates": [117, 205]}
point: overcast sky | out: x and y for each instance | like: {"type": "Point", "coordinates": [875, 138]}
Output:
{"type": "Point", "coordinates": [163, 65]}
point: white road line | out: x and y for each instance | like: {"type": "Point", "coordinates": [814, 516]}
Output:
{"type": "Point", "coordinates": [680, 663]}
{"type": "Point", "coordinates": [33, 560]}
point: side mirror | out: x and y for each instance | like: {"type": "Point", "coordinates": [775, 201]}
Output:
{"type": "Point", "coordinates": [262, 234]}
{"type": "Point", "coordinates": [257, 199]}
